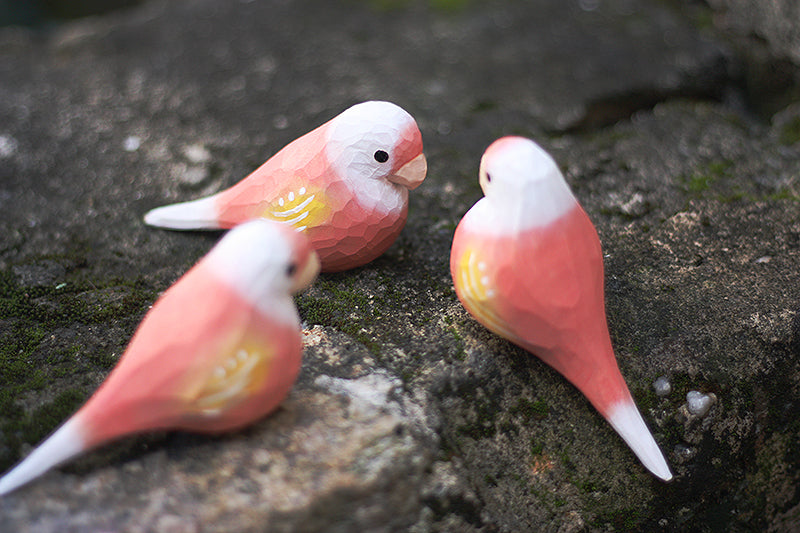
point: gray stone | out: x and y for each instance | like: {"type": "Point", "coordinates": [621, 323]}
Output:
{"type": "Point", "coordinates": [767, 37]}
{"type": "Point", "coordinates": [774, 21]}
{"type": "Point", "coordinates": [662, 386]}
{"type": "Point", "coordinates": [408, 415]}
{"type": "Point", "coordinates": [42, 273]}
{"type": "Point", "coordinates": [698, 403]}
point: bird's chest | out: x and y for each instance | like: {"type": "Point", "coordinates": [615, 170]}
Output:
{"type": "Point", "coordinates": [540, 271]}
{"type": "Point", "coordinates": [336, 203]}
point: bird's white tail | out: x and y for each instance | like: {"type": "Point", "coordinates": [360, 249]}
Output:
{"type": "Point", "coordinates": [66, 442]}
{"type": "Point", "coordinates": [626, 420]}
{"type": "Point", "coordinates": [197, 214]}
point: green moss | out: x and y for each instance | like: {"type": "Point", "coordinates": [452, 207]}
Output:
{"type": "Point", "coordinates": [478, 430]}
{"type": "Point", "coordinates": [703, 17]}
{"type": "Point", "coordinates": [719, 168]}
{"type": "Point", "coordinates": [17, 366]}
{"type": "Point", "coordinates": [461, 353]}
{"type": "Point", "coordinates": [698, 183]}
{"type": "Point", "coordinates": [482, 425]}
{"type": "Point", "coordinates": [320, 310]}
{"type": "Point", "coordinates": [334, 303]}
{"type": "Point", "coordinates": [537, 448]}
{"type": "Point", "coordinates": [508, 428]}
{"type": "Point", "coordinates": [702, 185]}
{"type": "Point", "coordinates": [41, 421]}
{"type": "Point", "coordinates": [356, 304]}
{"type": "Point", "coordinates": [702, 179]}
{"type": "Point", "coordinates": [790, 132]}
{"type": "Point", "coordinates": [681, 384]}
{"type": "Point", "coordinates": [531, 410]}
{"type": "Point", "coordinates": [735, 195]}
{"type": "Point", "coordinates": [620, 520]}
{"type": "Point", "coordinates": [783, 194]}
{"type": "Point", "coordinates": [646, 398]}
{"type": "Point", "coordinates": [566, 463]}
{"type": "Point", "coordinates": [540, 410]}
{"type": "Point", "coordinates": [28, 316]}
{"type": "Point", "coordinates": [714, 181]}
{"type": "Point", "coordinates": [589, 486]}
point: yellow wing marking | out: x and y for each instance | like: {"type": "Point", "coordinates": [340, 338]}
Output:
{"type": "Point", "coordinates": [236, 377]}
{"type": "Point", "coordinates": [301, 209]}
{"type": "Point", "coordinates": [478, 292]}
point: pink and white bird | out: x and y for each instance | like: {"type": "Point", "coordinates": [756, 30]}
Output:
{"type": "Point", "coordinates": [526, 263]}
{"type": "Point", "coordinates": [220, 349]}
{"type": "Point", "coordinates": [344, 184]}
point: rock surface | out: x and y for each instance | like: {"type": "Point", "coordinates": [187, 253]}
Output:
{"type": "Point", "coordinates": [408, 415]}
{"type": "Point", "coordinates": [767, 37]}
{"type": "Point", "coordinates": [775, 22]}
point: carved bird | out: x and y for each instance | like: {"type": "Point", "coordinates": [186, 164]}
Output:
{"type": "Point", "coordinates": [526, 263]}
{"type": "Point", "coordinates": [219, 349]}
{"type": "Point", "coordinates": [344, 184]}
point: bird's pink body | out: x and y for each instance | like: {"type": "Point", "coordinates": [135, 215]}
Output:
{"type": "Point", "coordinates": [344, 185]}
{"type": "Point", "coordinates": [219, 349]}
{"type": "Point", "coordinates": [548, 299]}
{"type": "Point", "coordinates": [526, 262]}
{"type": "Point", "coordinates": [166, 378]}
{"type": "Point", "coordinates": [345, 231]}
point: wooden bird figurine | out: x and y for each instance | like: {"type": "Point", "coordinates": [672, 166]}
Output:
{"type": "Point", "coordinates": [344, 184]}
{"type": "Point", "coordinates": [219, 350]}
{"type": "Point", "coordinates": [526, 263]}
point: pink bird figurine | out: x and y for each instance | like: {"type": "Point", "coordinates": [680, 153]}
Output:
{"type": "Point", "coordinates": [344, 184]}
{"type": "Point", "coordinates": [526, 263]}
{"type": "Point", "coordinates": [220, 349]}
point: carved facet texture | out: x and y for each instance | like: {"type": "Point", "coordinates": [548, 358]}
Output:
{"type": "Point", "coordinates": [344, 184]}
{"type": "Point", "coordinates": [220, 349]}
{"type": "Point", "coordinates": [536, 278]}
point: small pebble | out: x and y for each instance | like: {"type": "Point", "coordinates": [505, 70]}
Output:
{"type": "Point", "coordinates": [280, 122]}
{"type": "Point", "coordinates": [662, 386]}
{"type": "Point", "coordinates": [635, 206]}
{"type": "Point", "coordinates": [196, 154]}
{"type": "Point", "coordinates": [194, 176]}
{"type": "Point", "coordinates": [132, 143]}
{"type": "Point", "coordinates": [8, 145]}
{"type": "Point", "coordinates": [683, 453]}
{"type": "Point", "coordinates": [698, 403]}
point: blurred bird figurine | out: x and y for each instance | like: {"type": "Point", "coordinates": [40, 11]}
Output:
{"type": "Point", "coordinates": [344, 184]}
{"type": "Point", "coordinates": [526, 263]}
{"type": "Point", "coordinates": [220, 349]}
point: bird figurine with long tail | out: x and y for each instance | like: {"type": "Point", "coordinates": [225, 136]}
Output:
{"type": "Point", "coordinates": [220, 349]}
{"type": "Point", "coordinates": [526, 263]}
{"type": "Point", "coordinates": [344, 184]}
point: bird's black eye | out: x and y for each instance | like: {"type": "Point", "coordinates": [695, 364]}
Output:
{"type": "Point", "coordinates": [488, 178]}
{"type": "Point", "coordinates": [381, 156]}
{"type": "Point", "coordinates": [291, 269]}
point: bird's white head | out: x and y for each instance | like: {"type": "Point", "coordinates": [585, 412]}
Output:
{"type": "Point", "coordinates": [375, 141]}
{"type": "Point", "coordinates": [264, 261]}
{"type": "Point", "coordinates": [522, 181]}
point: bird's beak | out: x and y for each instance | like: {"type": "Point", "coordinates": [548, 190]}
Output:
{"type": "Point", "coordinates": [308, 274]}
{"type": "Point", "coordinates": [412, 173]}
